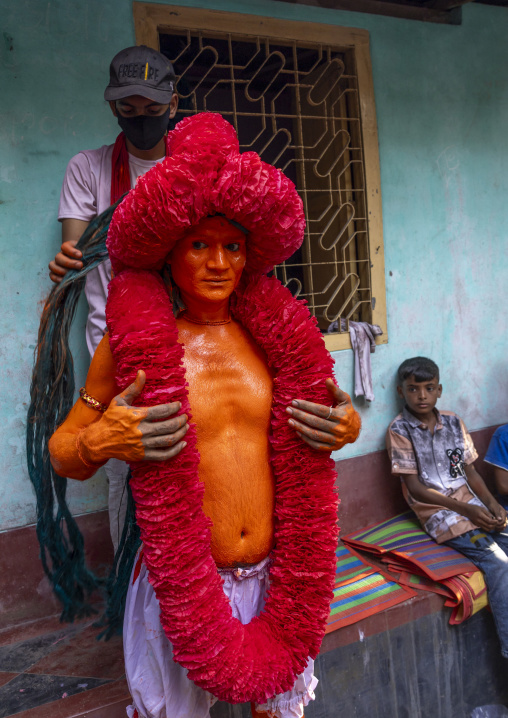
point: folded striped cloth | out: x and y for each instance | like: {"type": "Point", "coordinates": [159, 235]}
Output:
{"type": "Point", "coordinates": [403, 552]}
{"type": "Point", "coordinates": [402, 539]}
{"type": "Point", "coordinates": [361, 591]}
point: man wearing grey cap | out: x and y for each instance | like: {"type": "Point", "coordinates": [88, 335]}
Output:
{"type": "Point", "coordinates": [141, 96]}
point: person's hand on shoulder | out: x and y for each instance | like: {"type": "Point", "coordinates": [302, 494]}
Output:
{"type": "Point", "coordinates": [326, 428]}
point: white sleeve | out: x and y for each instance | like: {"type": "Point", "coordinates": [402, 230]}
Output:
{"type": "Point", "coordinates": [96, 290]}
{"type": "Point", "coordinates": [78, 198]}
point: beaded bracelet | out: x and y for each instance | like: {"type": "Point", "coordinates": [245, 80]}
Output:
{"type": "Point", "coordinates": [91, 402]}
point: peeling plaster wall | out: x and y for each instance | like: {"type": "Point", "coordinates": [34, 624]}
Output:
{"type": "Point", "coordinates": [442, 107]}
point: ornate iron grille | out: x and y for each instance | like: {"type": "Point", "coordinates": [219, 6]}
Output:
{"type": "Point", "coordinates": [297, 106]}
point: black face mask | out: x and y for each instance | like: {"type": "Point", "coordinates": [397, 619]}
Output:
{"type": "Point", "coordinates": [143, 131]}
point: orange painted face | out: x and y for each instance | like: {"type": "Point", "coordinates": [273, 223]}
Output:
{"type": "Point", "coordinates": [208, 262]}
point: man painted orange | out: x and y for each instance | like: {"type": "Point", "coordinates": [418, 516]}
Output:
{"type": "Point", "coordinates": [230, 387]}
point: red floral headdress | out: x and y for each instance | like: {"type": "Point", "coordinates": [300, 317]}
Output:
{"type": "Point", "coordinates": [206, 175]}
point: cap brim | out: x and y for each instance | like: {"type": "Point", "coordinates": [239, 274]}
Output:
{"type": "Point", "coordinates": [120, 93]}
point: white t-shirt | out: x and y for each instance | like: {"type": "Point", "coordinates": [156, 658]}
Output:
{"type": "Point", "coordinates": [86, 192]}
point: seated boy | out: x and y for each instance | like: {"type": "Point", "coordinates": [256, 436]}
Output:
{"type": "Point", "coordinates": [497, 455]}
{"type": "Point", "coordinates": [433, 454]}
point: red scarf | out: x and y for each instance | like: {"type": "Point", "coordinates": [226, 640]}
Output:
{"type": "Point", "coordinates": [120, 175]}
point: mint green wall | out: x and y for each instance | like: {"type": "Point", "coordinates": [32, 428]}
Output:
{"type": "Point", "coordinates": [442, 106]}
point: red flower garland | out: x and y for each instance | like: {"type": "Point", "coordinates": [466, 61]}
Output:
{"type": "Point", "coordinates": [234, 662]}
{"type": "Point", "coordinates": [206, 175]}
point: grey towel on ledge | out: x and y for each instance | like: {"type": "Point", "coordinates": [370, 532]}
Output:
{"type": "Point", "coordinates": [363, 340]}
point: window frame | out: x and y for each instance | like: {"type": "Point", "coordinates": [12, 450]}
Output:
{"type": "Point", "coordinates": [150, 19]}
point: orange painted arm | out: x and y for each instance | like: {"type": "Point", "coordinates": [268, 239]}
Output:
{"type": "Point", "coordinates": [64, 447]}
{"type": "Point", "coordinates": [88, 438]}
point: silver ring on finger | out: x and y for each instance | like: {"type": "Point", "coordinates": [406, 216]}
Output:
{"type": "Point", "coordinates": [330, 412]}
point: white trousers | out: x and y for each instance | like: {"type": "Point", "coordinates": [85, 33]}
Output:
{"type": "Point", "coordinates": [116, 471]}
{"type": "Point", "coordinates": [159, 686]}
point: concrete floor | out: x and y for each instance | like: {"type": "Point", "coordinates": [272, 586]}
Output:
{"type": "Point", "coordinates": [421, 669]}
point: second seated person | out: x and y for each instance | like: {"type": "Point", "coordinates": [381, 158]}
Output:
{"type": "Point", "coordinates": [497, 456]}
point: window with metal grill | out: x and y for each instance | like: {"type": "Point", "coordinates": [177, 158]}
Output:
{"type": "Point", "coordinates": [299, 104]}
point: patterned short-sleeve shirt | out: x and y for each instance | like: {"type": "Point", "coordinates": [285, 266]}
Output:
{"type": "Point", "coordinates": [438, 460]}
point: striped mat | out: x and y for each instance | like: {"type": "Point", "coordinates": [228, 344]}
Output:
{"type": "Point", "coordinates": [403, 552]}
{"type": "Point", "coordinates": [400, 531]}
{"type": "Point", "coordinates": [403, 559]}
{"type": "Point", "coordinates": [364, 597]}
{"type": "Point", "coordinates": [465, 594]}
{"type": "Point", "coordinates": [361, 591]}
{"type": "Point", "coordinates": [350, 567]}
{"type": "Point", "coordinates": [402, 541]}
